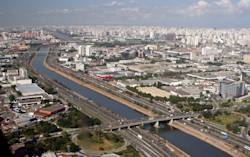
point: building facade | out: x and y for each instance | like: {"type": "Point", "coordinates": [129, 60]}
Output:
{"type": "Point", "coordinates": [230, 89]}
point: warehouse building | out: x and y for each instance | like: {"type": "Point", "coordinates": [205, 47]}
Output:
{"type": "Point", "coordinates": [231, 89]}
{"type": "Point", "coordinates": [31, 94]}
{"type": "Point", "coordinates": [51, 110]}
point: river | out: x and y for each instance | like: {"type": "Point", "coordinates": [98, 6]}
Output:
{"type": "Point", "coordinates": [188, 143]}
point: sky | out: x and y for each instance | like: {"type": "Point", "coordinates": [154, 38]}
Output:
{"type": "Point", "coordinates": [171, 13]}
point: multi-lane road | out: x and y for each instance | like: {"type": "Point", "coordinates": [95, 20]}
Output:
{"type": "Point", "coordinates": [159, 107]}
{"type": "Point", "coordinates": [145, 146]}
{"type": "Point", "coordinates": [155, 106]}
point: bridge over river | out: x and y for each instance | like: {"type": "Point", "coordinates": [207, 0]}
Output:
{"type": "Point", "coordinates": [141, 122]}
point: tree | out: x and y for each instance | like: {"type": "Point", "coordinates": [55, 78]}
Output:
{"type": "Point", "coordinates": [65, 134]}
{"type": "Point", "coordinates": [151, 100]}
{"type": "Point", "coordinates": [73, 147]}
{"type": "Point", "coordinates": [50, 90]}
{"type": "Point", "coordinates": [13, 87]}
{"type": "Point", "coordinates": [12, 98]}
{"type": "Point", "coordinates": [234, 127]}
{"type": "Point", "coordinates": [175, 99]}
{"type": "Point", "coordinates": [28, 132]}
{"type": "Point", "coordinates": [208, 115]}
{"type": "Point", "coordinates": [46, 128]}
{"type": "Point", "coordinates": [19, 93]}
{"type": "Point", "coordinates": [76, 119]}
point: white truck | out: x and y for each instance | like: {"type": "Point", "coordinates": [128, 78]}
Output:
{"type": "Point", "coordinates": [139, 136]}
{"type": "Point", "coordinates": [247, 147]}
{"type": "Point", "coordinates": [225, 135]}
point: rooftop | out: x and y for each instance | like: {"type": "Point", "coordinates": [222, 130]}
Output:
{"type": "Point", "coordinates": [29, 89]}
{"type": "Point", "coordinates": [53, 108]}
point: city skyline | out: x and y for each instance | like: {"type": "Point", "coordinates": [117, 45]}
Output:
{"type": "Point", "coordinates": [121, 78]}
{"type": "Point", "coordinates": [189, 13]}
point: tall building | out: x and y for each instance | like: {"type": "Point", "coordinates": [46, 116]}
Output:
{"type": "Point", "coordinates": [210, 51]}
{"type": "Point", "coordinates": [88, 50]}
{"type": "Point", "coordinates": [80, 66]}
{"type": "Point", "coordinates": [23, 73]}
{"type": "Point", "coordinates": [81, 50]}
{"type": "Point", "coordinates": [246, 58]}
{"type": "Point", "coordinates": [141, 54]}
{"type": "Point", "coordinates": [151, 35]}
{"type": "Point", "coordinates": [231, 89]}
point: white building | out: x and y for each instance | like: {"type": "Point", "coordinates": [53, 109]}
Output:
{"type": "Point", "coordinates": [110, 155]}
{"type": "Point", "coordinates": [210, 51]}
{"type": "Point", "coordinates": [32, 94]}
{"type": "Point", "coordinates": [81, 50]}
{"type": "Point", "coordinates": [15, 77]}
{"type": "Point", "coordinates": [231, 89]}
{"type": "Point", "coordinates": [23, 73]}
{"type": "Point", "coordinates": [88, 51]}
{"type": "Point", "coordinates": [152, 35]}
{"type": "Point", "coordinates": [80, 66]}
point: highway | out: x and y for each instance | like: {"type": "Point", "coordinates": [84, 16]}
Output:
{"type": "Point", "coordinates": [141, 122]}
{"type": "Point", "coordinates": [237, 141]}
{"type": "Point", "coordinates": [105, 115]}
{"type": "Point", "coordinates": [155, 149]}
{"type": "Point", "coordinates": [157, 107]}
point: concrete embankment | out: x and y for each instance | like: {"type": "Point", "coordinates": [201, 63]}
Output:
{"type": "Point", "coordinates": [101, 91]}
{"type": "Point", "coordinates": [170, 146]}
{"type": "Point", "coordinates": [209, 139]}
{"type": "Point", "coordinates": [176, 150]}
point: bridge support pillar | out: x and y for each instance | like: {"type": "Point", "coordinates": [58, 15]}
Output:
{"type": "Point", "coordinates": [157, 124]}
{"type": "Point", "coordinates": [171, 122]}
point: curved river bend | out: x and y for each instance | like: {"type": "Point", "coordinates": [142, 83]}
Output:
{"type": "Point", "coordinates": [188, 143]}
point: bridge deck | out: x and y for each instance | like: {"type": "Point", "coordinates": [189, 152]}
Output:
{"type": "Point", "coordinates": [133, 123]}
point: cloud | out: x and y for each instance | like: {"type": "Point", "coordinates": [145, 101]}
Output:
{"type": "Point", "coordinates": [213, 8]}
{"type": "Point", "coordinates": [114, 3]}
{"type": "Point", "coordinates": [148, 12]}
{"type": "Point", "coordinates": [197, 9]}
{"type": "Point", "coordinates": [135, 9]}
{"type": "Point", "coordinates": [233, 7]}
{"type": "Point", "coordinates": [244, 3]}
{"type": "Point", "coordinates": [227, 5]}
{"type": "Point", "coordinates": [56, 11]}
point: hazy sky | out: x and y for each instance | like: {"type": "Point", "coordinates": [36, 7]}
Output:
{"type": "Point", "coordinates": [195, 13]}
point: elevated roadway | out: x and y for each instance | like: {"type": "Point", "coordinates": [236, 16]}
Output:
{"type": "Point", "coordinates": [157, 106]}
{"type": "Point", "coordinates": [105, 115]}
{"type": "Point", "coordinates": [141, 122]}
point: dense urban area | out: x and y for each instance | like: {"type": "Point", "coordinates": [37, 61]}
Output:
{"type": "Point", "coordinates": [126, 91]}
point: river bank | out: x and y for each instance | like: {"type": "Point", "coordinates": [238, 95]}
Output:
{"type": "Point", "coordinates": [218, 143]}
{"type": "Point", "coordinates": [215, 142]}
{"type": "Point", "coordinates": [179, 138]}
{"type": "Point", "coordinates": [99, 90]}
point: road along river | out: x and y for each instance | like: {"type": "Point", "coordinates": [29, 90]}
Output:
{"type": "Point", "coordinates": [188, 143]}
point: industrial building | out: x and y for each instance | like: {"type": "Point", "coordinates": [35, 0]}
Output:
{"type": "Point", "coordinates": [31, 94]}
{"type": "Point", "coordinates": [51, 110]}
{"type": "Point", "coordinates": [15, 77]}
{"type": "Point", "coordinates": [231, 89]}
{"type": "Point", "coordinates": [246, 58]}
